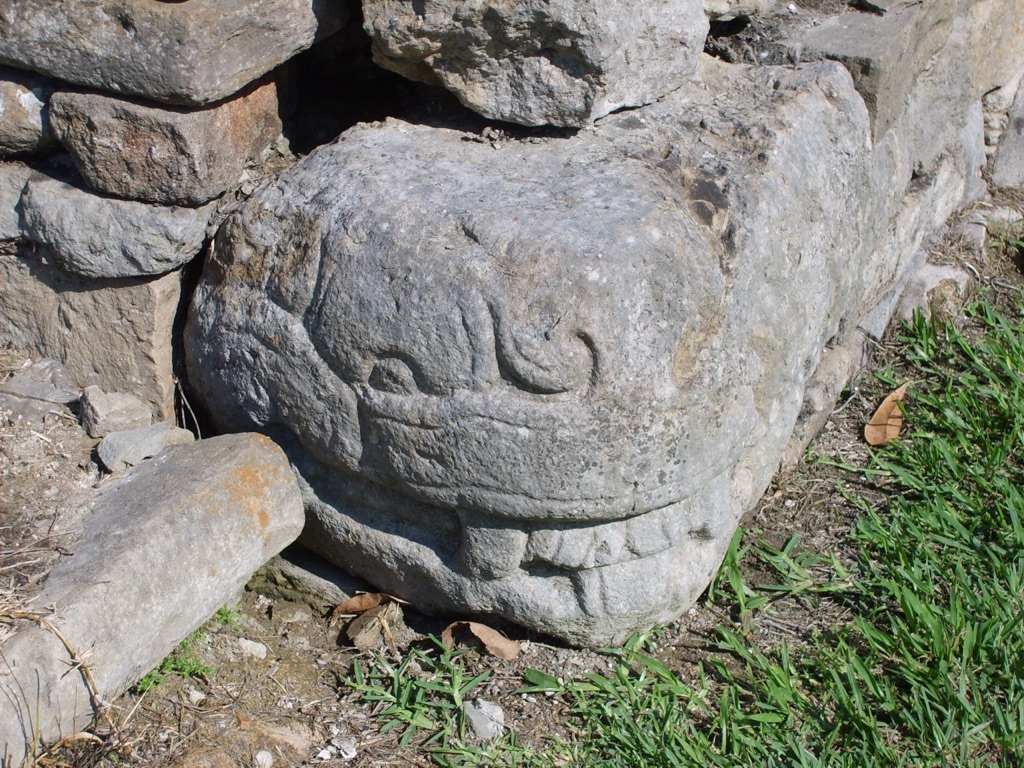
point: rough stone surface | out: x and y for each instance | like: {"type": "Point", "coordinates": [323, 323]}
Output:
{"type": "Point", "coordinates": [105, 237]}
{"type": "Point", "coordinates": [13, 178]}
{"type": "Point", "coordinates": [114, 333]}
{"type": "Point", "coordinates": [996, 46]}
{"type": "Point", "coordinates": [537, 62]}
{"type": "Point", "coordinates": [884, 53]}
{"type": "Point", "coordinates": [1008, 162]}
{"type": "Point", "coordinates": [937, 290]}
{"type": "Point", "coordinates": [37, 392]}
{"type": "Point", "coordinates": [24, 119]}
{"type": "Point", "coordinates": [725, 10]}
{"type": "Point", "coordinates": [165, 546]}
{"type": "Point", "coordinates": [103, 413]}
{"type": "Point", "coordinates": [167, 155]}
{"type": "Point", "coordinates": [120, 450]}
{"type": "Point", "coordinates": [448, 339]}
{"type": "Point", "coordinates": [190, 53]}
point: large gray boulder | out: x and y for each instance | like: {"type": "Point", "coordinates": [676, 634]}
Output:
{"type": "Point", "coordinates": [557, 62]}
{"type": "Point", "coordinates": [162, 549]}
{"type": "Point", "coordinates": [545, 382]}
{"type": "Point", "coordinates": [179, 53]}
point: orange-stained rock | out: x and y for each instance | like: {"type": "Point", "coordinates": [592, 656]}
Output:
{"type": "Point", "coordinates": [165, 545]}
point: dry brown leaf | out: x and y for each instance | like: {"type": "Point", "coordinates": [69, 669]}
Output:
{"type": "Point", "coordinates": [887, 421]}
{"type": "Point", "coordinates": [493, 641]}
{"type": "Point", "coordinates": [360, 603]}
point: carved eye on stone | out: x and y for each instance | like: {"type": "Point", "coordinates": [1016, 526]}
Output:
{"type": "Point", "coordinates": [391, 374]}
{"type": "Point", "coordinates": [546, 363]}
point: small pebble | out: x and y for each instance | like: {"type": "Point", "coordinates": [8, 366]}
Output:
{"type": "Point", "coordinates": [252, 648]}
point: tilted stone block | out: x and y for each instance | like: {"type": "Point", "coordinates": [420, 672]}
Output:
{"type": "Point", "coordinates": [1008, 162]}
{"type": "Point", "coordinates": [537, 62]}
{"type": "Point", "coordinates": [163, 549]}
{"type": "Point", "coordinates": [14, 176]}
{"type": "Point", "coordinates": [884, 53]}
{"type": "Point", "coordinates": [178, 53]}
{"type": "Point", "coordinates": [168, 155]}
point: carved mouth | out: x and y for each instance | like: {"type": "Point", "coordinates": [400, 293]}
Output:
{"type": "Point", "coordinates": [517, 458]}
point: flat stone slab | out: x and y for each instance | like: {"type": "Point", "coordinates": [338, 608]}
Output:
{"type": "Point", "coordinates": [114, 333]}
{"type": "Point", "coordinates": [190, 53]}
{"type": "Point", "coordinates": [92, 235]}
{"type": "Point", "coordinates": [164, 547]}
{"type": "Point", "coordinates": [539, 62]}
{"type": "Point", "coordinates": [168, 155]}
{"type": "Point", "coordinates": [37, 392]}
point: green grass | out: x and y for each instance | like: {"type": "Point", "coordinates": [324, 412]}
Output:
{"type": "Point", "coordinates": [928, 669]}
{"type": "Point", "coordinates": [425, 691]}
{"type": "Point", "coordinates": [183, 661]}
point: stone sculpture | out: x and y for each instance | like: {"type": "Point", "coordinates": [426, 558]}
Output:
{"type": "Point", "coordinates": [544, 383]}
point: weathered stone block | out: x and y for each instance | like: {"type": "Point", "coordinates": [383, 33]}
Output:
{"type": "Point", "coordinates": [164, 548]}
{"type": "Point", "coordinates": [102, 412]}
{"type": "Point", "coordinates": [105, 237]}
{"type": "Point", "coordinates": [115, 333]}
{"type": "Point", "coordinates": [24, 119]}
{"type": "Point", "coordinates": [885, 53]}
{"type": "Point", "coordinates": [996, 48]}
{"type": "Point", "coordinates": [178, 53]}
{"type": "Point", "coordinates": [161, 154]}
{"type": "Point", "coordinates": [120, 450]}
{"type": "Point", "coordinates": [560, 62]}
